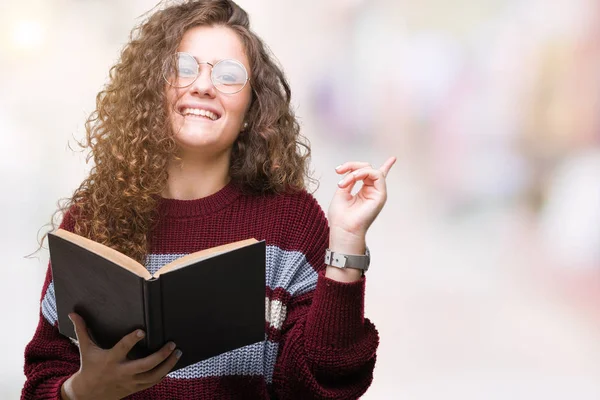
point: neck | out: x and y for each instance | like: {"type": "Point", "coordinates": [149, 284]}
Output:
{"type": "Point", "coordinates": [195, 177]}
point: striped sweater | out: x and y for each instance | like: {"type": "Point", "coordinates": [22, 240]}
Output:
{"type": "Point", "coordinates": [317, 343]}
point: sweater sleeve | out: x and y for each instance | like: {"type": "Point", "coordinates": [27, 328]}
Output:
{"type": "Point", "coordinates": [50, 358]}
{"type": "Point", "coordinates": [327, 347]}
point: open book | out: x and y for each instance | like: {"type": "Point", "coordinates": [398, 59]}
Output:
{"type": "Point", "coordinates": [207, 302]}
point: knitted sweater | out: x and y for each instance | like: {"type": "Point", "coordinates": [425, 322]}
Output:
{"type": "Point", "coordinates": [317, 343]}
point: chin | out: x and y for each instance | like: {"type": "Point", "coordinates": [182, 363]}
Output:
{"type": "Point", "coordinates": [195, 140]}
{"type": "Point", "coordinates": [201, 135]}
{"type": "Point", "coordinates": [202, 142]}
{"type": "Point", "coordinates": [196, 133]}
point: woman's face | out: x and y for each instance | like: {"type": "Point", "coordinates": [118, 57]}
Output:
{"type": "Point", "coordinates": [196, 132]}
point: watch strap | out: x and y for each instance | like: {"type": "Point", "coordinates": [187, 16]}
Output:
{"type": "Point", "coordinates": [341, 260]}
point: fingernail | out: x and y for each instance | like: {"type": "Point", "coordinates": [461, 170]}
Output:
{"type": "Point", "coordinates": [340, 182]}
{"type": "Point", "coordinates": [178, 353]}
{"type": "Point", "coordinates": [339, 166]}
{"type": "Point", "coordinates": [140, 333]}
{"type": "Point", "coordinates": [171, 346]}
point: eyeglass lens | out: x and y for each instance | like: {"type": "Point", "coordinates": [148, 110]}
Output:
{"type": "Point", "coordinates": [228, 76]}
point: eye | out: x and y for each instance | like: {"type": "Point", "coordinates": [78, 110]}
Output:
{"type": "Point", "coordinates": [186, 65]}
{"type": "Point", "coordinates": [226, 78]}
{"type": "Point", "coordinates": [229, 72]}
{"type": "Point", "coordinates": [186, 71]}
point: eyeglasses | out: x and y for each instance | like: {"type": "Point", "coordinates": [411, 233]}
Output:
{"type": "Point", "coordinates": [182, 69]}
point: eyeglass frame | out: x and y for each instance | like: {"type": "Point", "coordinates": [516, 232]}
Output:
{"type": "Point", "coordinates": [198, 63]}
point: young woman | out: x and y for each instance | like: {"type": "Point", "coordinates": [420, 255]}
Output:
{"type": "Point", "coordinates": [195, 145]}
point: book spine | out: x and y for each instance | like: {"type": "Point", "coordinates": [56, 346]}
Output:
{"type": "Point", "coordinates": [153, 314]}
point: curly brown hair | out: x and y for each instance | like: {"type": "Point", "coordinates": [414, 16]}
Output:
{"type": "Point", "coordinates": [131, 141]}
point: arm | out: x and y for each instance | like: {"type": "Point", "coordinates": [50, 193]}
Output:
{"type": "Point", "coordinates": [53, 363]}
{"type": "Point", "coordinates": [50, 358]}
{"type": "Point", "coordinates": [327, 348]}
{"type": "Point", "coordinates": [326, 354]}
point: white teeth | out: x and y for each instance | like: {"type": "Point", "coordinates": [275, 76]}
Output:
{"type": "Point", "coordinates": [199, 112]}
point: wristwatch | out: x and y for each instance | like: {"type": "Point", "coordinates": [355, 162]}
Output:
{"type": "Point", "coordinates": [342, 261]}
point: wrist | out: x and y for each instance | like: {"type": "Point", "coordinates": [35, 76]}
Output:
{"type": "Point", "coordinates": [343, 271]}
{"type": "Point", "coordinates": [66, 393]}
{"type": "Point", "coordinates": [72, 388]}
{"type": "Point", "coordinates": [343, 275]}
{"type": "Point", "coordinates": [345, 242]}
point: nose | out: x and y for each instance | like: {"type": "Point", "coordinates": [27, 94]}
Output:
{"type": "Point", "coordinates": [203, 85]}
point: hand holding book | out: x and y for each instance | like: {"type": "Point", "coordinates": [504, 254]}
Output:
{"type": "Point", "coordinates": [208, 302]}
{"type": "Point", "coordinates": [109, 374]}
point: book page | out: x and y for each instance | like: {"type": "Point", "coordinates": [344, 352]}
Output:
{"type": "Point", "coordinates": [201, 255]}
{"type": "Point", "coordinates": [105, 252]}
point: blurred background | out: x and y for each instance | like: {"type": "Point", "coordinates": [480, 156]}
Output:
{"type": "Point", "coordinates": [485, 279]}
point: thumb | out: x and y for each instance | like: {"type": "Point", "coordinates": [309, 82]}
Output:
{"type": "Point", "coordinates": [81, 332]}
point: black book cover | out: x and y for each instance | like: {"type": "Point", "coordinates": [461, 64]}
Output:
{"type": "Point", "coordinates": [208, 307]}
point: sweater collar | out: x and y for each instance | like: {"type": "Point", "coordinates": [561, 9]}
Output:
{"type": "Point", "coordinates": [199, 207]}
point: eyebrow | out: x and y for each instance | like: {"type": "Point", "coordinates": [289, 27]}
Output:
{"type": "Point", "coordinates": [213, 61]}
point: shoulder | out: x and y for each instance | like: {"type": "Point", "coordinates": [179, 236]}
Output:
{"type": "Point", "coordinates": [299, 207]}
{"type": "Point", "coordinates": [70, 217]}
{"type": "Point", "coordinates": [298, 219]}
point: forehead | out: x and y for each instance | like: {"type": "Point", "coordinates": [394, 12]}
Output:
{"type": "Point", "coordinates": [213, 43]}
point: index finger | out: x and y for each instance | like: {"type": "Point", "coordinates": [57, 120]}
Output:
{"type": "Point", "coordinates": [385, 168]}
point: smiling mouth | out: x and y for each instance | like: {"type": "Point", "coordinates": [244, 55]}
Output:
{"type": "Point", "coordinates": [199, 113]}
